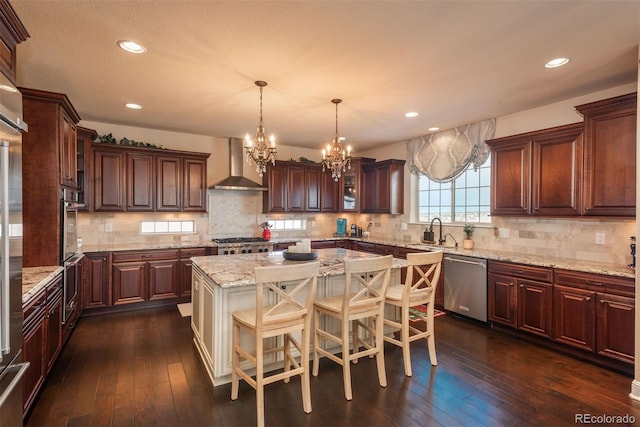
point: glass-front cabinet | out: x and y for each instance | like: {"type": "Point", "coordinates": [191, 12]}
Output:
{"type": "Point", "coordinates": [351, 185]}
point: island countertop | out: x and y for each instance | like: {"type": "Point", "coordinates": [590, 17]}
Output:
{"type": "Point", "coordinates": [237, 270]}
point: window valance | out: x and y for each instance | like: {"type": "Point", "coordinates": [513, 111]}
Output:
{"type": "Point", "coordinates": [442, 156]}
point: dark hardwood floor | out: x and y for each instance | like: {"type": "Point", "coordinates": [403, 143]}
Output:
{"type": "Point", "coordinates": [140, 369]}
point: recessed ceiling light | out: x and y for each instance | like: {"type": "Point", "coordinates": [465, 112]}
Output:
{"type": "Point", "coordinates": [133, 106]}
{"type": "Point", "coordinates": [411, 114]}
{"type": "Point", "coordinates": [433, 129]}
{"type": "Point", "coordinates": [557, 62]}
{"type": "Point", "coordinates": [131, 46]}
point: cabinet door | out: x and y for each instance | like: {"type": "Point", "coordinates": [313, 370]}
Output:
{"type": "Point", "coordinates": [296, 191]}
{"type": "Point", "coordinates": [196, 304]}
{"type": "Point", "coordinates": [129, 282]}
{"type": "Point", "coordinates": [108, 184]}
{"type": "Point", "coordinates": [186, 268]}
{"type": "Point", "coordinates": [140, 182]}
{"type": "Point", "coordinates": [369, 194]}
{"type": "Point", "coordinates": [615, 327]}
{"type": "Point", "coordinates": [96, 291]}
{"type": "Point", "coordinates": [53, 326]}
{"type": "Point", "coordinates": [534, 307]}
{"type": "Point", "coordinates": [574, 317]}
{"type": "Point", "coordinates": [33, 352]}
{"type": "Point", "coordinates": [511, 178]}
{"type": "Point", "coordinates": [194, 190]}
{"type": "Point", "coordinates": [313, 179]}
{"type": "Point", "coordinates": [275, 200]}
{"type": "Point", "coordinates": [163, 279]}
{"type": "Point", "coordinates": [169, 183]}
{"type": "Point", "coordinates": [329, 193]}
{"type": "Point", "coordinates": [85, 136]}
{"type": "Point", "coordinates": [68, 151]}
{"type": "Point", "coordinates": [502, 299]}
{"type": "Point", "coordinates": [557, 171]}
{"type": "Point", "coordinates": [610, 156]}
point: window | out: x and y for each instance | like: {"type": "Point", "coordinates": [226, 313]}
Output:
{"type": "Point", "coordinates": [288, 224]}
{"type": "Point", "coordinates": [465, 199]}
{"type": "Point", "coordinates": [163, 227]}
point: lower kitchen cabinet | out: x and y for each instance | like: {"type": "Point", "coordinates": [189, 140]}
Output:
{"type": "Point", "coordinates": [139, 276]}
{"type": "Point", "coordinates": [520, 296]}
{"type": "Point", "coordinates": [595, 313]}
{"type": "Point", "coordinates": [42, 333]}
{"type": "Point", "coordinates": [186, 268]}
{"type": "Point", "coordinates": [96, 292]}
{"type": "Point", "coordinates": [574, 316]}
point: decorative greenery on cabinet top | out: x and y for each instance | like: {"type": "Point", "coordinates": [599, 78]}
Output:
{"type": "Point", "coordinates": [109, 139]}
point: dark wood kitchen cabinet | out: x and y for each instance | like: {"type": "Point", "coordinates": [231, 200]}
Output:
{"type": "Point", "coordinates": [609, 181]}
{"type": "Point", "coordinates": [329, 193]}
{"type": "Point", "coordinates": [537, 173]}
{"type": "Point", "coordinates": [152, 180]}
{"type": "Point", "coordinates": [42, 333]}
{"type": "Point", "coordinates": [51, 141]}
{"type": "Point", "coordinates": [186, 268]}
{"type": "Point", "coordinates": [96, 292]}
{"type": "Point", "coordinates": [383, 187]}
{"type": "Point", "coordinates": [108, 180]}
{"type": "Point", "coordinates": [140, 182]}
{"type": "Point", "coordinates": [84, 162]}
{"type": "Point", "coordinates": [595, 313]}
{"type": "Point", "coordinates": [351, 185]}
{"type": "Point", "coordinates": [12, 33]}
{"type": "Point", "coordinates": [297, 187]}
{"type": "Point", "coordinates": [520, 296]}
{"type": "Point", "coordinates": [139, 276]}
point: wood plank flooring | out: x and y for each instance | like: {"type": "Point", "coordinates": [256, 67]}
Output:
{"type": "Point", "coordinates": [140, 369]}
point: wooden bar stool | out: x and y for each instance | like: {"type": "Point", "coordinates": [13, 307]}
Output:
{"type": "Point", "coordinates": [423, 274]}
{"type": "Point", "coordinates": [290, 312]}
{"type": "Point", "coordinates": [361, 306]}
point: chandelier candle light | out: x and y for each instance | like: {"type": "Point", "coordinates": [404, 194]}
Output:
{"type": "Point", "coordinates": [261, 153]}
{"type": "Point", "coordinates": [335, 157]}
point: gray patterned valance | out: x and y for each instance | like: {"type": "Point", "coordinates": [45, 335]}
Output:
{"type": "Point", "coordinates": [442, 156]}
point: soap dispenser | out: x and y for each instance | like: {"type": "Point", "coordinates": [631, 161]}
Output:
{"type": "Point", "coordinates": [633, 253]}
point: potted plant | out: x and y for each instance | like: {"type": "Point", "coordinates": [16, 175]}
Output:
{"type": "Point", "coordinates": [467, 243]}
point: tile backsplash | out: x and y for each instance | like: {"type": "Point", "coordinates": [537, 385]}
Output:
{"type": "Point", "coordinates": [238, 213]}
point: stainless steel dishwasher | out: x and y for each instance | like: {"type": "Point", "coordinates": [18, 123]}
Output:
{"type": "Point", "coordinates": [465, 286]}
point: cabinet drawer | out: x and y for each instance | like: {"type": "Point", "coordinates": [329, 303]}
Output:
{"type": "Point", "coordinates": [144, 256]}
{"type": "Point", "coordinates": [33, 311]}
{"type": "Point", "coordinates": [541, 274]}
{"type": "Point", "coordinates": [595, 282]}
{"type": "Point", "coordinates": [386, 250]}
{"type": "Point", "coordinates": [191, 252]}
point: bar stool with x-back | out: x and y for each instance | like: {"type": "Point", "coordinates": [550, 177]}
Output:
{"type": "Point", "coordinates": [419, 289]}
{"type": "Point", "coordinates": [294, 287]}
{"type": "Point", "coordinates": [362, 307]}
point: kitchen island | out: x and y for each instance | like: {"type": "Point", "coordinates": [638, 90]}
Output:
{"type": "Point", "coordinates": [224, 284]}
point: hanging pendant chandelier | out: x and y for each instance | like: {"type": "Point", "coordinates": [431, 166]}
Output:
{"type": "Point", "coordinates": [260, 151]}
{"type": "Point", "coordinates": [335, 157]}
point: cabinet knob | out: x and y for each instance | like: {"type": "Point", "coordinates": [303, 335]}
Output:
{"type": "Point", "coordinates": [522, 286]}
{"type": "Point", "coordinates": [587, 299]}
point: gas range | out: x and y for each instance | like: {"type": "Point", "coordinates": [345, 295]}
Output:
{"type": "Point", "coordinates": [242, 245]}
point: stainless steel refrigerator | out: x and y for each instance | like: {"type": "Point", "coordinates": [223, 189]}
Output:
{"type": "Point", "coordinates": [12, 368]}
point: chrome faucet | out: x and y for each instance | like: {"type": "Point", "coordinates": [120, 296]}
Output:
{"type": "Point", "coordinates": [440, 239]}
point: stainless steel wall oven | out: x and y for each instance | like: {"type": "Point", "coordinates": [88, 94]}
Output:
{"type": "Point", "coordinates": [69, 224]}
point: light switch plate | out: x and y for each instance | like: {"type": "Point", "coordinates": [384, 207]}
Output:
{"type": "Point", "coordinates": [600, 239]}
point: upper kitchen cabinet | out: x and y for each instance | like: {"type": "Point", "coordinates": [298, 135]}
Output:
{"type": "Point", "coordinates": [52, 123]}
{"type": "Point", "coordinates": [351, 185]}
{"type": "Point", "coordinates": [383, 187]}
{"type": "Point", "coordinates": [537, 173]}
{"type": "Point", "coordinates": [85, 137]}
{"type": "Point", "coordinates": [609, 181]}
{"type": "Point", "coordinates": [298, 187]}
{"type": "Point", "coordinates": [142, 179]}
{"type": "Point", "coordinates": [49, 161]}
{"type": "Point", "coordinates": [12, 32]}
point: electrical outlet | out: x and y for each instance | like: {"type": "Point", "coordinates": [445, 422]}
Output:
{"type": "Point", "coordinates": [600, 240]}
{"type": "Point", "coordinates": [403, 225]}
{"type": "Point", "coordinates": [108, 227]}
{"type": "Point", "coordinates": [503, 232]}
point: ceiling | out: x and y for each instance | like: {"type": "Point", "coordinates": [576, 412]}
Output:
{"type": "Point", "coordinates": [454, 62]}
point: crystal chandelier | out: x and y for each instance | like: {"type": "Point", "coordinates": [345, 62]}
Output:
{"type": "Point", "coordinates": [335, 157]}
{"type": "Point", "coordinates": [261, 152]}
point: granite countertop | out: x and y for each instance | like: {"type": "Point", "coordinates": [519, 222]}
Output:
{"type": "Point", "coordinates": [36, 278]}
{"type": "Point", "coordinates": [237, 270]}
{"type": "Point", "coordinates": [145, 246]}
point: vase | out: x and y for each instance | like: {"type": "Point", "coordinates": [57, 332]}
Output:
{"type": "Point", "coordinates": [467, 244]}
{"type": "Point", "coordinates": [266, 234]}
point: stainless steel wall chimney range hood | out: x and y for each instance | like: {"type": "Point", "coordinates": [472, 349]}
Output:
{"type": "Point", "coordinates": [235, 180]}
